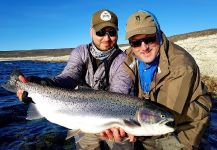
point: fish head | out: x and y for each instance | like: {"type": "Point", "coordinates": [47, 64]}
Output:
{"type": "Point", "coordinates": [156, 116]}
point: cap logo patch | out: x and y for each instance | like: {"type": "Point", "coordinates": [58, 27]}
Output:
{"type": "Point", "coordinates": [105, 16]}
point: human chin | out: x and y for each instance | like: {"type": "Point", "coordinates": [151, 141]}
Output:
{"type": "Point", "coordinates": [146, 59]}
{"type": "Point", "coordinates": [105, 46]}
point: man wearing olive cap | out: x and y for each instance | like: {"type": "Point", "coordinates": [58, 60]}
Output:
{"type": "Point", "coordinates": [167, 74]}
{"type": "Point", "coordinates": [97, 65]}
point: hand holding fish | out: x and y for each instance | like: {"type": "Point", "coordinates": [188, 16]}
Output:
{"type": "Point", "coordinates": [23, 95]}
{"type": "Point", "coordinates": [117, 134]}
{"type": "Point", "coordinates": [20, 92]}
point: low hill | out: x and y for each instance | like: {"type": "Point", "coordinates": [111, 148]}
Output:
{"type": "Point", "coordinates": [202, 45]}
{"type": "Point", "coordinates": [195, 34]}
{"type": "Point", "coordinates": [66, 51]}
{"type": "Point", "coordinates": [33, 53]}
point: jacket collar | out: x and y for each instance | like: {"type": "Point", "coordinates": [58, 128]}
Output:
{"type": "Point", "coordinates": [163, 67]}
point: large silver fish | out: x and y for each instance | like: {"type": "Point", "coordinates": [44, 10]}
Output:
{"type": "Point", "coordinates": [94, 111]}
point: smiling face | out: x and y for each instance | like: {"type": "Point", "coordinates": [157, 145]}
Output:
{"type": "Point", "coordinates": [145, 47]}
{"type": "Point", "coordinates": [106, 41]}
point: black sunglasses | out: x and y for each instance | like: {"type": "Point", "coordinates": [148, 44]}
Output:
{"type": "Point", "coordinates": [103, 32]}
{"type": "Point", "coordinates": [138, 43]}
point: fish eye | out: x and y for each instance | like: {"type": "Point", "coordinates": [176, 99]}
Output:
{"type": "Point", "coordinates": [162, 116]}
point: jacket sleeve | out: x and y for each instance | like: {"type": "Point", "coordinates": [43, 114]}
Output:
{"type": "Point", "coordinates": [72, 72]}
{"type": "Point", "coordinates": [192, 123]}
{"type": "Point", "coordinates": [120, 80]}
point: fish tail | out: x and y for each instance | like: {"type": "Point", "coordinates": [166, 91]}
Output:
{"type": "Point", "coordinates": [10, 85]}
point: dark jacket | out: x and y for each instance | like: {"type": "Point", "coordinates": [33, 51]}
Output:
{"type": "Point", "coordinates": [80, 67]}
{"type": "Point", "coordinates": [177, 85]}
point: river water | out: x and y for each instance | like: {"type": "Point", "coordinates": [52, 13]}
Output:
{"type": "Point", "coordinates": [18, 133]}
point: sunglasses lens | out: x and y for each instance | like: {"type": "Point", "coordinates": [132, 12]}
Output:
{"type": "Point", "coordinates": [138, 43]}
{"type": "Point", "coordinates": [100, 33]}
{"type": "Point", "coordinates": [103, 33]}
{"type": "Point", "coordinates": [150, 40]}
{"type": "Point", "coordinates": [112, 33]}
{"type": "Point", "coordinates": [135, 43]}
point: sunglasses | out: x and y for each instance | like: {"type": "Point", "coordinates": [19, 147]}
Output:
{"type": "Point", "coordinates": [103, 32]}
{"type": "Point", "coordinates": [138, 43]}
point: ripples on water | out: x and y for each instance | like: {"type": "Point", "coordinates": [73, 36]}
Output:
{"type": "Point", "coordinates": [18, 133]}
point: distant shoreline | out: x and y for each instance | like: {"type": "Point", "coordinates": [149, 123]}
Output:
{"type": "Point", "coordinates": [56, 55]}
{"type": "Point", "coordinates": [66, 51]}
{"type": "Point", "coordinates": [35, 53]}
{"type": "Point", "coordinates": [203, 49]}
{"type": "Point", "coordinates": [38, 58]}
{"type": "Point", "coordinates": [201, 45]}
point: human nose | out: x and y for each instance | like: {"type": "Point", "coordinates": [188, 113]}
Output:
{"type": "Point", "coordinates": [144, 45]}
{"type": "Point", "coordinates": [107, 36]}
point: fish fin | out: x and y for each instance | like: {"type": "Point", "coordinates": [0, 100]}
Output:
{"type": "Point", "coordinates": [16, 73]}
{"type": "Point", "coordinates": [125, 139]}
{"type": "Point", "coordinates": [33, 113]}
{"type": "Point", "coordinates": [10, 85]}
{"type": "Point", "coordinates": [72, 133]}
{"type": "Point", "coordinates": [77, 134]}
{"type": "Point", "coordinates": [78, 137]}
{"type": "Point", "coordinates": [83, 88]}
{"type": "Point", "coordinates": [132, 123]}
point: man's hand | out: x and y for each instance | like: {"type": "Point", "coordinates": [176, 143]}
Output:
{"type": "Point", "coordinates": [117, 134]}
{"type": "Point", "coordinates": [23, 95]}
{"type": "Point", "coordinates": [20, 92]}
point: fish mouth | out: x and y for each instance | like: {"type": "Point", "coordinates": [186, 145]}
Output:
{"type": "Point", "coordinates": [168, 122]}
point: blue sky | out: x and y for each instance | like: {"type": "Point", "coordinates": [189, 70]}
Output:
{"type": "Point", "coordinates": [45, 24]}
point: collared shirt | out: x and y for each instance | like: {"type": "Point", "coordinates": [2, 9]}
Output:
{"type": "Point", "coordinates": [146, 73]}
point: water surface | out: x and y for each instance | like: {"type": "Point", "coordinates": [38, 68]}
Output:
{"type": "Point", "coordinates": [18, 133]}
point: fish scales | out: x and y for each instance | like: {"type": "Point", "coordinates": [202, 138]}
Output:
{"type": "Point", "coordinates": [95, 111]}
{"type": "Point", "coordinates": [111, 104]}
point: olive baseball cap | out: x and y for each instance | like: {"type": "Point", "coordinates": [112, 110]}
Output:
{"type": "Point", "coordinates": [140, 23]}
{"type": "Point", "coordinates": [104, 18]}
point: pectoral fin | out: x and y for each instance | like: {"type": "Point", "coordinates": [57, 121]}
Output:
{"type": "Point", "coordinates": [132, 123]}
{"type": "Point", "coordinates": [33, 113]}
{"type": "Point", "coordinates": [77, 134]}
{"type": "Point", "coordinates": [71, 133]}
